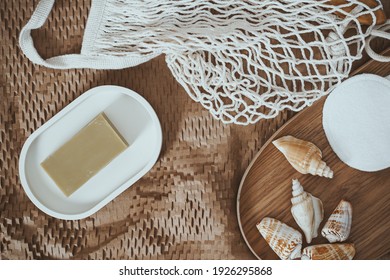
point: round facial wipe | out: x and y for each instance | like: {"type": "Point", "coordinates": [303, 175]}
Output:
{"type": "Point", "coordinates": [356, 120]}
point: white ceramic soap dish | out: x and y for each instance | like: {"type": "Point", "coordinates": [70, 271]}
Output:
{"type": "Point", "coordinates": [135, 120]}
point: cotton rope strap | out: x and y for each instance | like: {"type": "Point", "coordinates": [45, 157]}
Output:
{"type": "Point", "coordinates": [68, 61]}
{"type": "Point", "coordinates": [242, 60]}
{"type": "Point", "coordinates": [382, 31]}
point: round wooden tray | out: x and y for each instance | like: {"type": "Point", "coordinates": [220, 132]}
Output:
{"type": "Point", "coordinates": [265, 189]}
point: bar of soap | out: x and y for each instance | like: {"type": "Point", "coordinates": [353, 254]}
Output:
{"type": "Point", "coordinates": [84, 155]}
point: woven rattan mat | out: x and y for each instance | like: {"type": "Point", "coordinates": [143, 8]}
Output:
{"type": "Point", "coordinates": [184, 208]}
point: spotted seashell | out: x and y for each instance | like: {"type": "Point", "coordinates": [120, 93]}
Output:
{"type": "Point", "coordinates": [337, 251]}
{"type": "Point", "coordinates": [284, 240]}
{"type": "Point", "coordinates": [338, 226]}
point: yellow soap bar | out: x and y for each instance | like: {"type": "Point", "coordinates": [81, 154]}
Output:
{"type": "Point", "coordinates": [84, 155]}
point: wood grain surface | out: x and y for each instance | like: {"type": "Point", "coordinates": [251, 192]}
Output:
{"type": "Point", "coordinates": [265, 189]}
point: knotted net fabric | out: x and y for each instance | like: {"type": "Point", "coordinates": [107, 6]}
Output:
{"type": "Point", "coordinates": [242, 60]}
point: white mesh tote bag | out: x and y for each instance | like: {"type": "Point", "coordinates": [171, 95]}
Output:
{"type": "Point", "coordinates": [243, 60]}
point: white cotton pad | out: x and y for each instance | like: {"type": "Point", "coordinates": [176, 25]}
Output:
{"type": "Point", "coordinates": [356, 120]}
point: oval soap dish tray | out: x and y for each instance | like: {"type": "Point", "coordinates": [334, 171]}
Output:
{"type": "Point", "coordinates": [135, 120]}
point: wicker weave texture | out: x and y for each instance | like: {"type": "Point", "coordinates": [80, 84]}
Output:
{"type": "Point", "coordinates": [184, 208]}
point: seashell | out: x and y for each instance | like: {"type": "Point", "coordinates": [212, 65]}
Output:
{"type": "Point", "coordinates": [304, 156]}
{"type": "Point", "coordinates": [338, 226]}
{"type": "Point", "coordinates": [284, 240]}
{"type": "Point", "coordinates": [339, 251]}
{"type": "Point", "coordinates": [307, 211]}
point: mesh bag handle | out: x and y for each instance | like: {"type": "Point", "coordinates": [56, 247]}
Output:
{"type": "Point", "coordinates": [67, 61]}
{"type": "Point", "coordinates": [382, 31]}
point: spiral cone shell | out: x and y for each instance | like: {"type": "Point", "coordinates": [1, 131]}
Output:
{"type": "Point", "coordinates": [338, 226]}
{"type": "Point", "coordinates": [337, 251]}
{"type": "Point", "coordinates": [307, 211]}
{"type": "Point", "coordinates": [284, 240]}
{"type": "Point", "coordinates": [304, 156]}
